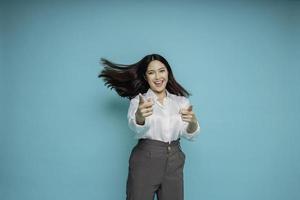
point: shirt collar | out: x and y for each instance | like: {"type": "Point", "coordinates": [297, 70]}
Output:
{"type": "Point", "coordinates": [151, 94]}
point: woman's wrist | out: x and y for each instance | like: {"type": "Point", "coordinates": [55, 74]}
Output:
{"type": "Point", "coordinates": [192, 126]}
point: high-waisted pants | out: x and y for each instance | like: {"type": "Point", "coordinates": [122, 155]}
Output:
{"type": "Point", "coordinates": [155, 167]}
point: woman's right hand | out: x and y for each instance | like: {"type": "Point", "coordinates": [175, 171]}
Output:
{"type": "Point", "coordinates": [144, 110]}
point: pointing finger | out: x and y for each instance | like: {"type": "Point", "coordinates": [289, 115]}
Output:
{"type": "Point", "coordinates": [186, 111]}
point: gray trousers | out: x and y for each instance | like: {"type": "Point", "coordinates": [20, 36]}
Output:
{"type": "Point", "coordinates": [155, 167]}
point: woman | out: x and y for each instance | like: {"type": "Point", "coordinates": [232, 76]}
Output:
{"type": "Point", "coordinates": [159, 113]}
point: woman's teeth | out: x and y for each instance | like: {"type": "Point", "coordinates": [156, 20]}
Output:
{"type": "Point", "coordinates": [158, 83]}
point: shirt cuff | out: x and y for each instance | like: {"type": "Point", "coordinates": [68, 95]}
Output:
{"type": "Point", "coordinates": [139, 129]}
{"type": "Point", "coordinates": [191, 136]}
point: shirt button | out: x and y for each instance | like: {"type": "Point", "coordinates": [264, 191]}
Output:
{"type": "Point", "coordinates": [169, 148]}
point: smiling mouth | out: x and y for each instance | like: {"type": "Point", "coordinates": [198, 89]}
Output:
{"type": "Point", "coordinates": [158, 83]}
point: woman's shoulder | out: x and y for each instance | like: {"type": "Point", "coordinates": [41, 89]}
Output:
{"type": "Point", "coordinates": [180, 99]}
{"type": "Point", "coordinates": [134, 99]}
{"type": "Point", "coordinates": [177, 96]}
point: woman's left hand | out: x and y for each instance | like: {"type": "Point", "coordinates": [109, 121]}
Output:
{"type": "Point", "coordinates": [188, 115]}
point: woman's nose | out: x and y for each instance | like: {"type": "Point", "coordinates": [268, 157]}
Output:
{"type": "Point", "coordinates": [156, 75]}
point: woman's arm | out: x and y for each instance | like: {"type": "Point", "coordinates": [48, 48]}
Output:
{"type": "Point", "coordinates": [190, 125]}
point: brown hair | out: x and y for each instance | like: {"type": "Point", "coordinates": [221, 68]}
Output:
{"type": "Point", "coordinates": [128, 80]}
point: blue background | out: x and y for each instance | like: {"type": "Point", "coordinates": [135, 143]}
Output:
{"type": "Point", "coordinates": [64, 135]}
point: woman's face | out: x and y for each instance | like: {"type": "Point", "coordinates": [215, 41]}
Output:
{"type": "Point", "coordinates": [157, 76]}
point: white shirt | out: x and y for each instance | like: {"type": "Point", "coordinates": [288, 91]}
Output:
{"type": "Point", "coordinates": [165, 123]}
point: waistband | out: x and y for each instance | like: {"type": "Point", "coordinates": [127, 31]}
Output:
{"type": "Point", "coordinates": [146, 141]}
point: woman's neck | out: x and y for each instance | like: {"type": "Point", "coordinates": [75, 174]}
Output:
{"type": "Point", "coordinates": [161, 95]}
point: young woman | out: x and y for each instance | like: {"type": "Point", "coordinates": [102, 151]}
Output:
{"type": "Point", "coordinates": [159, 113]}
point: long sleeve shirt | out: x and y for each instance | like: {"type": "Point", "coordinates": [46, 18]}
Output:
{"type": "Point", "coordinates": [165, 123]}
